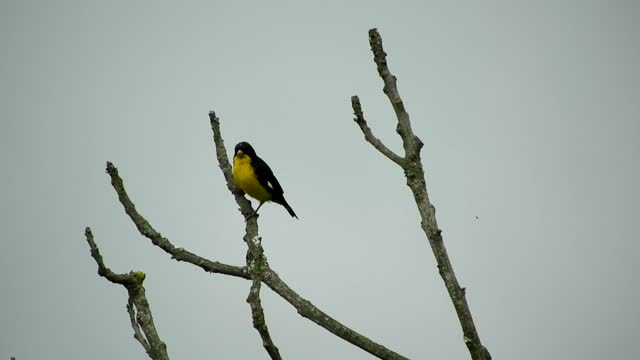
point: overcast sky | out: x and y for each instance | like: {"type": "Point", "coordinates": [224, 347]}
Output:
{"type": "Point", "coordinates": [530, 115]}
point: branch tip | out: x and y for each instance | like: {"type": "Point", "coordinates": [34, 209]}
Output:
{"type": "Point", "coordinates": [379, 56]}
{"type": "Point", "coordinates": [213, 117]}
{"type": "Point", "coordinates": [111, 169]}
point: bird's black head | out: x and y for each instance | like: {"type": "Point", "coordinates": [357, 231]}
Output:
{"type": "Point", "coordinates": [245, 148]}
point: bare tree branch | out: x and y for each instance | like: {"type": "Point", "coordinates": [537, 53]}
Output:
{"type": "Point", "coordinates": [143, 323]}
{"type": "Point", "coordinates": [157, 239]}
{"type": "Point", "coordinates": [223, 162]}
{"type": "Point", "coordinates": [410, 141]}
{"type": "Point", "coordinates": [137, 332]}
{"type": "Point", "coordinates": [368, 134]}
{"type": "Point", "coordinates": [271, 278]}
{"type": "Point", "coordinates": [256, 261]}
{"type": "Point", "coordinates": [412, 166]}
{"type": "Point", "coordinates": [255, 269]}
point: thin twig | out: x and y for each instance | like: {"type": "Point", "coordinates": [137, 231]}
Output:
{"type": "Point", "coordinates": [143, 327]}
{"type": "Point", "coordinates": [368, 134]}
{"type": "Point", "coordinates": [412, 166]}
{"type": "Point", "coordinates": [137, 332]}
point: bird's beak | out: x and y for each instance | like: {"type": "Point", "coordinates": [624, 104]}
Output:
{"type": "Point", "coordinates": [239, 152]}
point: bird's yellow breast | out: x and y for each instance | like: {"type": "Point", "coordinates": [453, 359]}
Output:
{"type": "Point", "coordinates": [245, 178]}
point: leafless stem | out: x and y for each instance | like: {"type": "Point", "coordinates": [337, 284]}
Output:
{"type": "Point", "coordinates": [410, 141]}
{"type": "Point", "coordinates": [255, 254]}
{"type": "Point", "coordinates": [256, 264]}
{"type": "Point", "coordinates": [368, 134]}
{"type": "Point", "coordinates": [412, 166]}
{"type": "Point", "coordinates": [157, 239]}
{"type": "Point", "coordinates": [137, 302]}
{"type": "Point", "coordinates": [225, 167]}
{"type": "Point", "coordinates": [137, 332]}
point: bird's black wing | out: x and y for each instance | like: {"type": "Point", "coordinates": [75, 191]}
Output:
{"type": "Point", "coordinates": [265, 177]}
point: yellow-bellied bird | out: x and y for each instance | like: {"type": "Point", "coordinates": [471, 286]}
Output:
{"type": "Point", "coordinates": [253, 176]}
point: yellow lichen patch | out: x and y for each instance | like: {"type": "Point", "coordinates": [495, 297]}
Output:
{"type": "Point", "coordinates": [140, 276]}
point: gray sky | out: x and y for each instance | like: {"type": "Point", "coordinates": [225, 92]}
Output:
{"type": "Point", "coordinates": [529, 112]}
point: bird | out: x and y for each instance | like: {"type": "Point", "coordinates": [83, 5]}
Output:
{"type": "Point", "coordinates": [254, 177]}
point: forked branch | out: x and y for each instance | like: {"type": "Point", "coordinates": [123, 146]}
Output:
{"type": "Point", "coordinates": [138, 307]}
{"type": "Point", "coordinates": [256, 266]}
{"type": "Point", "coordinates": [411, 163]}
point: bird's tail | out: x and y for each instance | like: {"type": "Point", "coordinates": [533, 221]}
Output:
{"type": "Point", "coordinates": [284, 203]}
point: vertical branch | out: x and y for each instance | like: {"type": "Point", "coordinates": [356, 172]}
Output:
{"type": "Point", "coordinates": [414, 172]}
{"type": "Point", "coordinates": [256, 265]}
{"type": "Point", "coordinates": [411, 143]}
{"type": "Point", "coordinates": [143, 327]}
{"type": "Point", "coordinates": [137, 332]}
{"type": "Point", "coordinates": [225, 167]}
{"type": "Point", "coordinates": [256, 261]}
